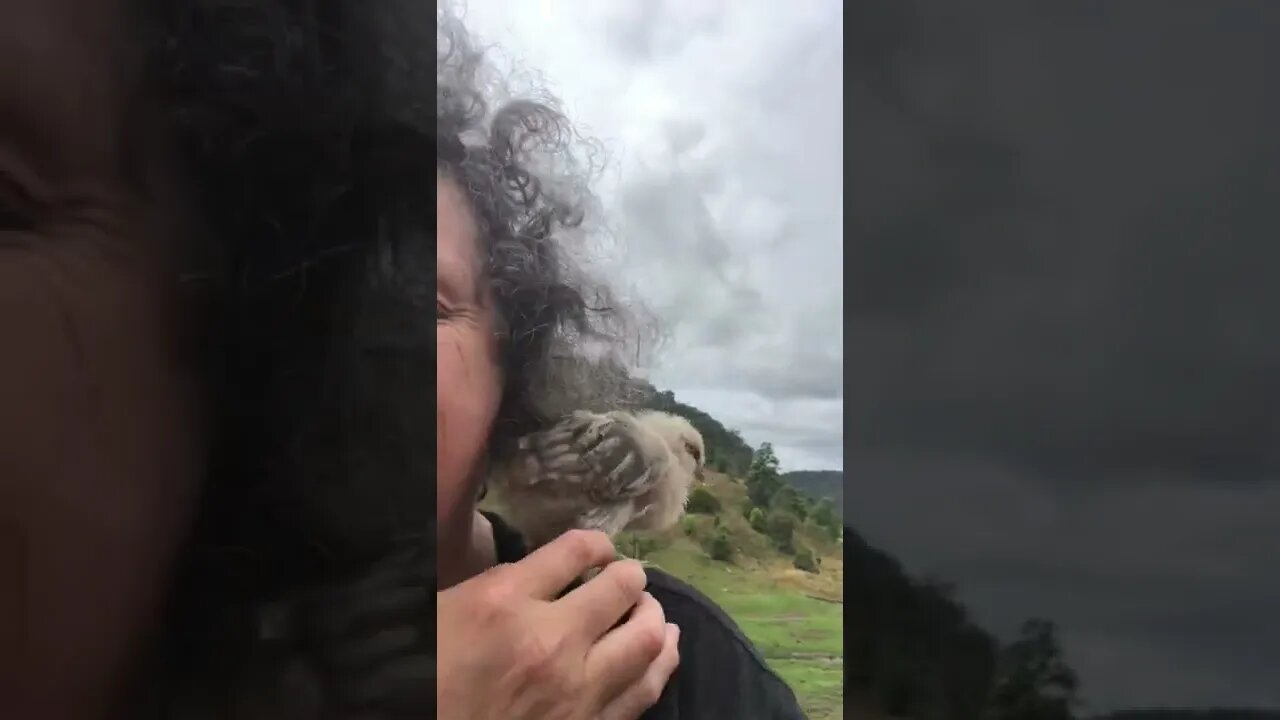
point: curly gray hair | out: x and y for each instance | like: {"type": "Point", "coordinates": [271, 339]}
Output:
{"type": "Point", "coordinates": [526, 173]}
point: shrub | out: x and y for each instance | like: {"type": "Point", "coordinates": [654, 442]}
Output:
{"type": "Point", "coordinates": [805, 561]}
{"type": "Point", "coordinates": [756, 518]}
{"type": "Point", "coordinates": [824, 514]}
{"type": "Point", "coordinates": [640, 547]}
{"type": "Point", "coordinates": [791, 500]}
{"type": "Point", "coordinates": [780, 525]}
{"type": "Point", "coordinates": [701, 501]}
{"type": "Point", "coordinates": [720, 548]}
{"type": "Point", "coordinates": [690, 526]}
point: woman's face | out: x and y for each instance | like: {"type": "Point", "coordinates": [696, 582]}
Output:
{"type": "Point", "coordinates": [99, 443]}
{"type": "Point", "coordinates": [468, 381]}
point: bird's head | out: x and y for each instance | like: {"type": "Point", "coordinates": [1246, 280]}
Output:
{"type": "Point", "coordinates": [683, 439]}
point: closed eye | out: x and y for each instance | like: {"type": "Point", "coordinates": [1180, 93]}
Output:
{"type": "Point", "coordinates": [15, 207]}
{"type": "Point", "coordinates": [11, 219]}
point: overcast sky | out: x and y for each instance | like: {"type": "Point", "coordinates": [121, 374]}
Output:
{"type": "Point", "coordinates": [1064, 350]}
{"type": "Point", "coordinates": [724, 193]}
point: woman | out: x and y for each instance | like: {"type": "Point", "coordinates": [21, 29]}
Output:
{"type": "Point", "coordinates": [512, 314]}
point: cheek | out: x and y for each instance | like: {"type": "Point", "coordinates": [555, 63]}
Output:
{"type": "Point", "coordinates": [467, 398]}
{"type": "Point", "coordinates": [99, 450]}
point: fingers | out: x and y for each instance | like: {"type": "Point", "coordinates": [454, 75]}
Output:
{"type": "Point", "coordinates": [645, 692]}
{"type": "Point", "coordinates": [622, 656]}
{"type": "Point", "coordinates": [365, 651]}
{"type": "Point", "coordinates": [397, 586]}
{"type": "Point", "coordinates": [547, 570]}
{"type": "Point", "coordinates": [356, 608]}
{"type": "Point", "coordinates": [600, 602]}
{"type": "Point", "coordinates": [404, 686]}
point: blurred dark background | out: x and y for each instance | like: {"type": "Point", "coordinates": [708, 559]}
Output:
{"type": "Point", "coordinates": [1064, 364]}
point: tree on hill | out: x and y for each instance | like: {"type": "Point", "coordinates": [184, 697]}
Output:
{"type": "Point", "coordinates": [763, 480]}
{"type": "Point", "coordinates": [1034, 681]}
{"type": "Point", "coordinates": [824, 512]}
{"type": "Point", "coordinates": [824, 515]}
{"type": "Point", "coordinates": [910, 647]}
{"type": "Point", "coordinates": [790, 500]}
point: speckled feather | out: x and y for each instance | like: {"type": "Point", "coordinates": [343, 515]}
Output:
{"type": "Point", "coordinates": [603, 471]}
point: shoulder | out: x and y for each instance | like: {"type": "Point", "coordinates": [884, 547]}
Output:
{"type": "Point", "coordinates": [682, 601]}
{"type": "Point", "coordinates": [721, 674]}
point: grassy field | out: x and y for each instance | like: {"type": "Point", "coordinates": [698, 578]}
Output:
{"type": "Point", "coordinates": [794, 618]}
{"type": "Point", "coordinates": [799, 636]}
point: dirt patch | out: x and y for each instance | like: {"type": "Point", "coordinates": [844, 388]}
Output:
{"type": "Point", "coordinates": [816, 657]}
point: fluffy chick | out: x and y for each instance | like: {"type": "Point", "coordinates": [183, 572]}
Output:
{"type": "Point", "coordinates": [601, 471]}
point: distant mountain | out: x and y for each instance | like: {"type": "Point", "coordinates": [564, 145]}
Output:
{"type": "Point", "coordinates": [819, 484]}
{"type": "Point", "coordinates": [1189, 714]}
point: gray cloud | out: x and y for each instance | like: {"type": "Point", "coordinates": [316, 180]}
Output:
{"type": "Point", "coordinates": [1060, 293]}
{"type": "Point", "coordinates": [649, 30]}
{"type": "Point", "coordinates": [1144, 287]}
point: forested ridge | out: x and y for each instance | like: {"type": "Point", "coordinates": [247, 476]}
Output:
{"type": "Point", "coordinates": [911, 648]}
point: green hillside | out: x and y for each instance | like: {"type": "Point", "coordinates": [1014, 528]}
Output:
{"type": "Point", "coordinates": [794, 617]}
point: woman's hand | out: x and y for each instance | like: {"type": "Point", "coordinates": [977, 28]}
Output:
{"type": "Point", "coordinates": [506, 648]}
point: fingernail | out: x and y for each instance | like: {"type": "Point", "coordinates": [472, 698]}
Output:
{"type": "Point", "coordinates": [675, 629]}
